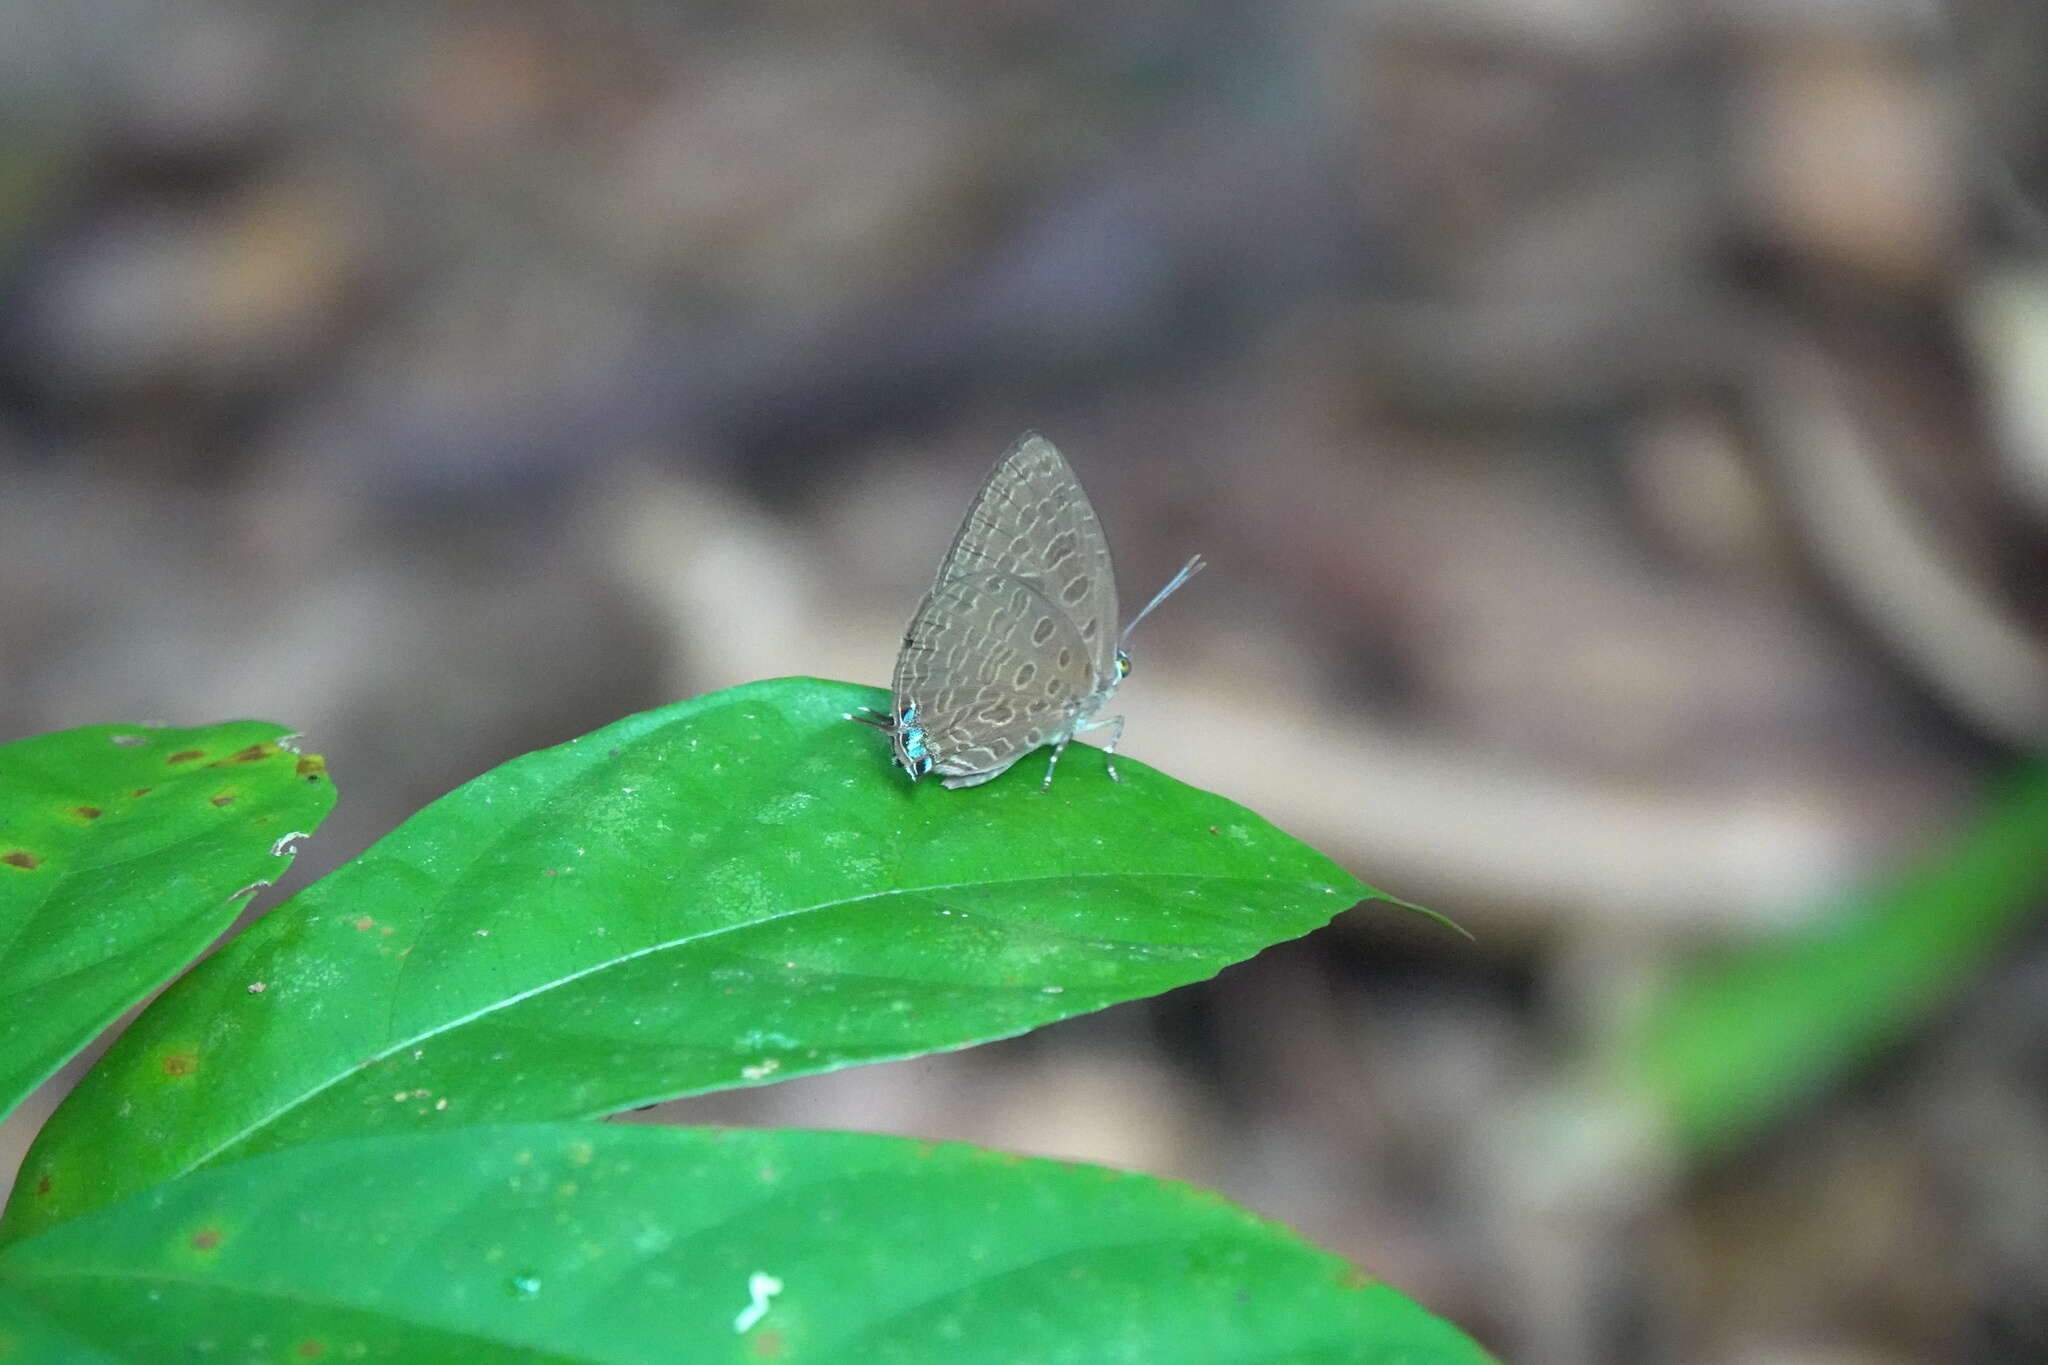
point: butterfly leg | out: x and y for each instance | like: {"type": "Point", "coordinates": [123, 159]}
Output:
{"type": "Point", "coordinates": [1054, 762]}
{"type": "Point", "coordinates": [1116, 725]}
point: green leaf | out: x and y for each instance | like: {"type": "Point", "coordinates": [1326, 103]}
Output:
{"type": "Point", "coordinates": [27, 1335]}
{"type": "Point", "coordinates": [652, 1244]}
{"type": "Point", "coordinates": [728, 891]}
{"type": "Point", "coordinates": [1736, 1044]}
{"type": "Point", "coordinates": [124, 851]}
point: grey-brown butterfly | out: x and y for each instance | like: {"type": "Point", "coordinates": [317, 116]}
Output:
{"type": "Point", "coordinates": [1016, 645]}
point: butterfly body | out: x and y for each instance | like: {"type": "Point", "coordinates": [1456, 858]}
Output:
{"type": "Point", "coordinates": [1016, 645]}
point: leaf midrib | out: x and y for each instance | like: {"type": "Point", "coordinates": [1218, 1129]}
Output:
{"type": "Point", "coordinates": [607, 964]}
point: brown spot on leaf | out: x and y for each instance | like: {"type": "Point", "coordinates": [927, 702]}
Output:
{"type": "Point", "coordinates": [310, 767]}
{"type": "Point", "coordinates": [21, 858]}
{"type": "Point", "coordinates": [255, 753]}
{"type": "Point", "coordinates": [365, 923]}
{"type": "Point", "coordinates": [310, 1349]}
{"type": "Point", "coordinates": [142, 791]}
{"type": "Point", "coordinates": [43, 1183]}
{"type": "Point", "coordinates": [766, 1345]}
{"type": "Point", "coordinates": [186, 756]}
{"type": "Point", "coordinates": [224, 799]}
{"type": "Point", "coordinates": [180, 1063]}
{"type": "Point", "coordinates": [87, 812]}
{"type": "Point", "coordinates": [206, 1239]}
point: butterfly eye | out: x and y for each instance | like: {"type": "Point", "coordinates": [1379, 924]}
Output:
{"type": "Point", "coordinates": [1123, 665]}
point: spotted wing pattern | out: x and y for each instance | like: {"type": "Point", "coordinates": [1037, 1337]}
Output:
{"type": "Point", "coordinates": [1032, 521]}
{"type": "Point", "coordinates": [993, 670]}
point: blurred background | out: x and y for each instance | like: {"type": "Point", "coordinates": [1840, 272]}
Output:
{"type": "Point", "coordinates": [1619, 429]}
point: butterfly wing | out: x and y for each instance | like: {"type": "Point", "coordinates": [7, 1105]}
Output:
{"type": "Point", "coordinates": [994, 670]}
{"type": "Point", "coordinates": [1031, 521]}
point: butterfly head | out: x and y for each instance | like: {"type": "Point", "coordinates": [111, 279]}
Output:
{"type": "Point", "coordinates": [1123, 665]}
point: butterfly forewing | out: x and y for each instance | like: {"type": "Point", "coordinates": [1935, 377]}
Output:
{"type": "Point", "coordinates": [1032, 521]}
{"type": "Point", "coordinates": [994, 670]}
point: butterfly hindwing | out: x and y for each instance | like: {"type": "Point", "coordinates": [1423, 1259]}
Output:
{"type": "Point", "coordinates": [993, 670]}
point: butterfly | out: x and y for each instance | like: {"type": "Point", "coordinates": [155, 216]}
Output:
{"type": "Point", "coordinates": [1016, 646]}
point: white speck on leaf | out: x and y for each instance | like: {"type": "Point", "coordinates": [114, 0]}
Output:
{"type": "Point", "coordinates": [283, 847]}
{"type": "Point", "coordinates": [761, 1287]}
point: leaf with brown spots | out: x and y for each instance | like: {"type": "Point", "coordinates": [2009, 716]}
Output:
{"type": "Point", "coordinates": [743, 892]}
{"type": "Point", "coordinates": [103, 895]}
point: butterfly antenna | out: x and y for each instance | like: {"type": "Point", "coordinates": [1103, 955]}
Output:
{"type": "Point", "coordinates": [1187, 571]}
